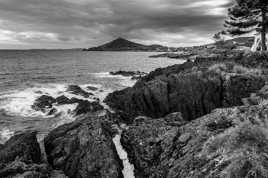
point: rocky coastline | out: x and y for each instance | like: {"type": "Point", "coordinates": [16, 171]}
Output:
{"type": "Point", "coordinates": [203, 118]}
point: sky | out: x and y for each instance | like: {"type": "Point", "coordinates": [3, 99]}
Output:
{"type": "Point", "coordinates": [28, 24]}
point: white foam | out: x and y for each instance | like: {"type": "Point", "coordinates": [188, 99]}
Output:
{"type": "Point", "coordinates": [66, 113]}
{"type": "Point", "coordinates": [128, 170]}
{"type": "Point", "coordinates": [19, 103]}
{"type": "Point", "coordinates": [123, 80]}
{"type": "Point", "coordinates": [5, 134]}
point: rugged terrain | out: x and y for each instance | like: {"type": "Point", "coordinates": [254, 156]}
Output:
{"type": "Point", "coordinates": [206, 118]}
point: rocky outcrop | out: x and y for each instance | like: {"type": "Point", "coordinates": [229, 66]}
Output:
{"type": "Point", "coordinates": [20, 157]}
{"type": "Point", "coordinates": [180, 55]}
{"type": "Point", "coordinates": [43, 103]}
{"type": "Point", "coordinates": [84, 149]}
{"type": "Point", "coordinates": [229, 142]}
{"type": "Point", "coordinates": [135, 75]}
{"type": "Point", "coordinates": [77, 90]}
{"type": "Point", "coordinates": [193, 91]}
{"type": "Point", "coordinates": [24, 145]}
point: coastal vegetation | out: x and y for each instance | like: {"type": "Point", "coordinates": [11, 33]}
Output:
{"type": "Point", "coordinates": [248, 16]}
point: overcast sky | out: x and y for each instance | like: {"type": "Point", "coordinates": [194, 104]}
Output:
{"type": "Point", "coordinates": [86, 23]}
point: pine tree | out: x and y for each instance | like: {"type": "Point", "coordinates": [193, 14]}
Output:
{"type": "Point", "coordinates": [247, 16]}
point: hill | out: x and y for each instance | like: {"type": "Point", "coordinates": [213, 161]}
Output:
{"type": "Point", "coordinates": [121, 44]}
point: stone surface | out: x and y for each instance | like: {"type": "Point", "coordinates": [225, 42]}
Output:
{"type": "Point", "coordinates": [75, 89]}
{"type": "Point", "coordinates": [193, 91]}
{"type": "Point", "coordinates": [84, 149]}
{"type": "Point", "coordinates": [229, 142]}
{"type": "Point", "coordinates": [47, 104]}
{"type": "Point", "coordinates": [20, 157]}
{"type": "Point", "coordinates": [23, 146]}
{"type": "Point", "coordinates": [43, 103]}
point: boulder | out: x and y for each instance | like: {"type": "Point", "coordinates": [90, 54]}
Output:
{"type": "Point", "coordinates": [84, 149]}
{"type": "Point", "coordinates": [20, 157]}
{"type": "Point", "coordinates": [43, 103]}
{"type": "Point", "coordinates": [92, 88]}
{"type": "Point", "coordinates": [77, 90]}
{"type": "Point", "coordinates": [85, 106]}
{"type": "Point", "coordinates": [23, 147]}
{"type": "Point", "coordinates": [63, 100]}
{"type": "Point", "coordinates": [230, 142]}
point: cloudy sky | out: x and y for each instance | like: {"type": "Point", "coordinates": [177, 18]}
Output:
{"type": "Point", "coordinates": [86, 23]}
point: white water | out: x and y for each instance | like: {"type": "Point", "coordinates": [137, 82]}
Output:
{"type": "Point", "coordinates": [123, 80]}
{"type": "Point", "coordinates": [19, 103]}
{"type": "Point", "coordinates": [128, 170]}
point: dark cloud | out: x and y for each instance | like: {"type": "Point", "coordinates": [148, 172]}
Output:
{"type": "Point", "coordinates": [81, 23]}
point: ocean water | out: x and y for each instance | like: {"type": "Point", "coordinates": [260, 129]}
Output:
{"type": "Point", "coordinates": [26, 75]}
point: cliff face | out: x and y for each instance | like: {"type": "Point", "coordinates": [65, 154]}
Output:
{"type": "Point", "coordinates": [193, 91]}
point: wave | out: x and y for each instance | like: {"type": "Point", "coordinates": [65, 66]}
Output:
{"type": "Point", "coordinates": [19, 102]}
{"type": "Point", "coordinates": [5, 134]}
{"type": "Point", "coordinates": [123, 80]}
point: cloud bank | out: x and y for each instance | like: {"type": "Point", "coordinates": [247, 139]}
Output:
{"type": "Point", "coordinates": [85, 23]}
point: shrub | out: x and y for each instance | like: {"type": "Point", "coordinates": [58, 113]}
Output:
{"type": "Point", "coordinates": [244, 148]}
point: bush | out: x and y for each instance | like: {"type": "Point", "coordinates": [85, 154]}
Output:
{"type": "Point", "coordinates": [243, 148]}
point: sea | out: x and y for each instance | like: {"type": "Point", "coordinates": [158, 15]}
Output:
{"type": "Point", "coordinates": [25, 75]}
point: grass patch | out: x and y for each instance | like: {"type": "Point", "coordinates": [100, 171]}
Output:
{"type": "Point", "coordinates": [244, 148]}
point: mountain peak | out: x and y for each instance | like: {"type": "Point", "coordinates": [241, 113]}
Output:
{"type": "Point", "coordinates": [121, 44]}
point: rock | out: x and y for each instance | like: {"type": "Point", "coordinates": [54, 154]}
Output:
{"type": "Point", "coordinates": [150, 137]}
{"type": "Point", "coordinates": [76, 90]}
{"type": "Point", "coordinates": [92, 88]}
{"type": "Point", "coordinates": [43, 103]}
{"type": "Point", "coordinates": [135, 75]}
{"type": "Point", "coordinates": [85, 106]}
{"type": "Point", "coordinates": [23, 146]}
{"type": "Point", "coordinates": [230, 142]}
{"type": "Point", "coordinates": [20, 157]}
{"type": "Point", "coordinates": [63, 100]}
{"type": "Point", "coordinates": [84, 149]}
{"type": "Point", "coordinates": [192, 91]}
{"type": "Point", "coordinates": [173, 55]}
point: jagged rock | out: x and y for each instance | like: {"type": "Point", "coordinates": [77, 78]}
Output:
{"type": "Point", "coordinates": [84, 149]}
{"type": "Point", "coordinates": [192, 91]}
{"type": "Point", "coordinates": [43, 103]}
{"type": "Point", "coordinates": [23, 146]}
{"type": "Point", "coordinates": [20, 157]}
{"type": "Point", "coordinates": [229, 142]}
{"type": "Point", "coordinates": [135, 75]}
{"type": "Point", "coordinates": [63, 100]}
{"type": "Point", "coordinates": [92, 88]}
{"type": "Point", "coordinates": [75, 89]}
{"type": "Point", "coordinates": [86, 107]}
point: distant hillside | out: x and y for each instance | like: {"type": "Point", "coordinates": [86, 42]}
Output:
{"type": "Point", "coordinates": [121, 44]}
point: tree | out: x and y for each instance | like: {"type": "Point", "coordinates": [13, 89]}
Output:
{"type": "Point", "coordinates": [247, 16]}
